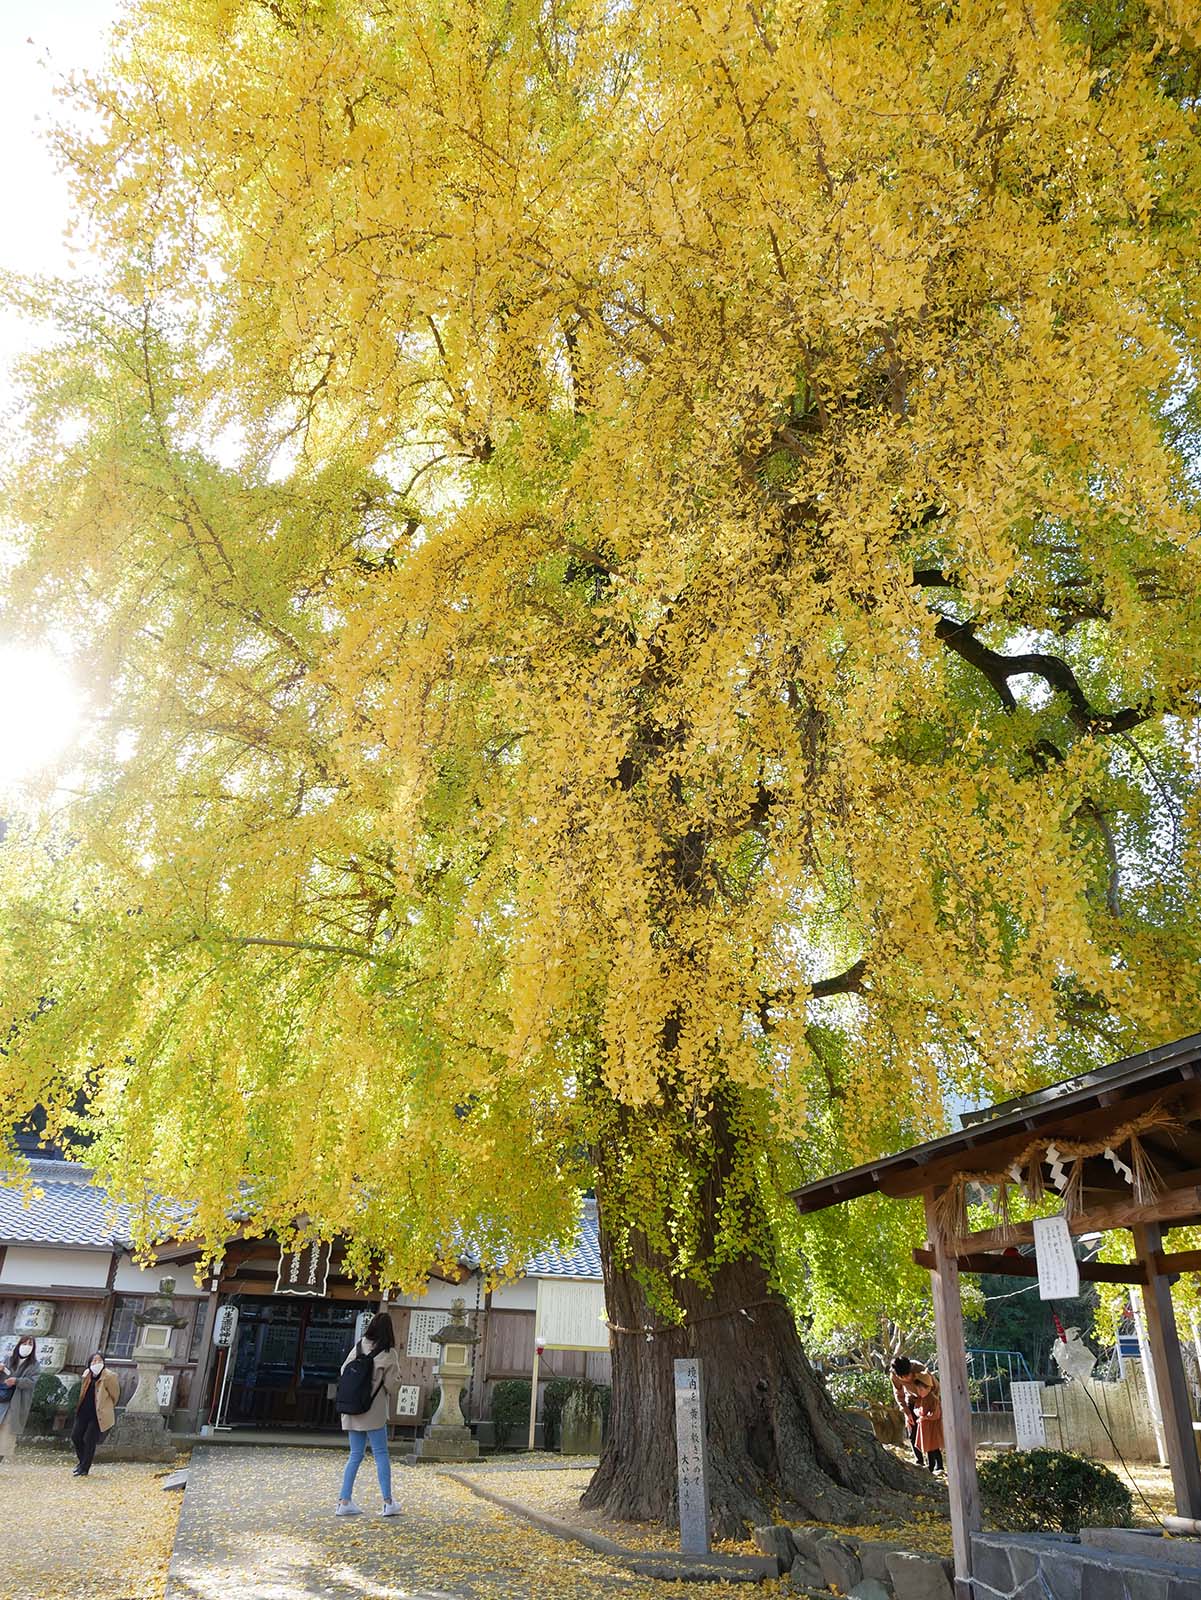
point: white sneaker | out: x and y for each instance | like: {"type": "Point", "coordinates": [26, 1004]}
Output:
{"type": "Point", "coordinates": [347, 1508]}
{"type": "Point", "coordinates": [391, 1509]}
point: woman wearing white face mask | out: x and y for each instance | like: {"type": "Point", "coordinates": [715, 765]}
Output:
{"type": "Point", "coordinates": [16, 1393]}
{"type": "Point", "coordinates": [96, 1412]}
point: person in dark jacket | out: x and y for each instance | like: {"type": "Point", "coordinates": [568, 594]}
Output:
{"type": "Point", "coordinates": [16, 1393]}
{"type": "Point", "coordinates": [96, 1411]}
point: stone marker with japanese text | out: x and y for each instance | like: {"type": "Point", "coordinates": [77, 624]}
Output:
{"type": "Point", "coordinates": [692, 1458]}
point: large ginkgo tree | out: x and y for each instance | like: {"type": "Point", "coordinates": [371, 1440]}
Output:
{"type": "Point", "coordinates": [637, 569]}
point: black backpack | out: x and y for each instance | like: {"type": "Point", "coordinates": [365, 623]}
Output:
{"type": "Point", "coordinates": [355, 1392]}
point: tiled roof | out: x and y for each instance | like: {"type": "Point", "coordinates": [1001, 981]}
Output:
{"type": "Point", "coordinates": [70, 1210]}
{"type": "Point", "coordinates": [581, 1261]}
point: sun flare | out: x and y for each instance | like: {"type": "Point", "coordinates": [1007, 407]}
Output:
{"type": "Point", "coordinates": [40, 708]}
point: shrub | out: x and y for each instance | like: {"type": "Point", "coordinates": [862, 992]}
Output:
{"type": "Point", "coordinates": [1052, 1491]}
{"type": "Point", "coordinates": [860, 1389]}
{"type": "Point", "coordinates": [510, 1408]}
{"type": "Point", "coordinates": [50, 1395]}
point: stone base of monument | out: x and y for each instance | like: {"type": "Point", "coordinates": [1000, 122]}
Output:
{"type": "Point", "coordinates": [444, 1442]}
{"type": "Point", "coordinates": [138, 1436]}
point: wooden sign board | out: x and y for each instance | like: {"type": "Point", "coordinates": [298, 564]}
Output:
{"type": "Point", "coordinates": [692, 1458]}
{"type": "Point", "coordinates": [422, 1326]}
{"type": "Point", "coordinates": [1028, 1429]}
{"type": "Point", "coordinates": [408, 1401]}
{"type": "Point", "coordinates": [304, 1271]}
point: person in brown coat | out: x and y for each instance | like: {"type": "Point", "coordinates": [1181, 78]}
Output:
{"type": "Point", "coordinates": [928, 1410]}
{"type": "Point", "coordinates": [905, 1374]}
{"type": "Point", "coordinates": [96, 1411]}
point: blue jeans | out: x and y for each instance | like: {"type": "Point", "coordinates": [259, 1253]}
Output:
{"type": "Point", "coordinates": [359, 1440]}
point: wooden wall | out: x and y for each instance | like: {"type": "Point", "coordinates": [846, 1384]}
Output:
{"type": "Point", "coordinates": [80, 1322]}
{"type": "Point", "coordinates": [505, 1350]}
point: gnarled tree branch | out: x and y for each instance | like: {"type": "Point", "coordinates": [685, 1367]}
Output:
{"type": "Point", "coordinates": [998, 669]}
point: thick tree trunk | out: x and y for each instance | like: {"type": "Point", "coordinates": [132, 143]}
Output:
{"type": "Point", "coordinates": [778, 1447]}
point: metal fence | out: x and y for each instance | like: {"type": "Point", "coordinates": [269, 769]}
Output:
{"type": "Point", "coordinates": [991, 1374]}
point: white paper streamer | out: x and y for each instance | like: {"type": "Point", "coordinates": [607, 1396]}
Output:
{"type": "Point", "coordinates": [1119, 1166]}
{"type": "Point", "coordinates": [1058, 1176]}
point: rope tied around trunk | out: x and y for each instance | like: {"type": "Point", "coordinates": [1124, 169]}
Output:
{"type": "Point", "coordinates": [649, 1332]}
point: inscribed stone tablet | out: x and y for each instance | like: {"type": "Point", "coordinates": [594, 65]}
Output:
{"type": "Point", "coordinates": [692, 1458]}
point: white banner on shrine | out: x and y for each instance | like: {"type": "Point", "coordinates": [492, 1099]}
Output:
{"type": "Point", "coordinates": [1058, 1269]}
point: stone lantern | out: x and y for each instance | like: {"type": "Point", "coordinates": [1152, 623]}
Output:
{"type": "Point", "coordinates": [448, 1438]}
{"type": "Point", "coordinates": [141, 1432]}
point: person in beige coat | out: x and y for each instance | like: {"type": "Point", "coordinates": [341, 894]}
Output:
{"type": "Point", "coordinates": [96, 1411]}
{"type": "Point", "coordinates": [371, 1375]}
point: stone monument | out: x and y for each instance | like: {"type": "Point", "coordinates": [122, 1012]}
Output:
{"type": "Point", "coordinates": [141, 1430]}
{"type": "Point", "coordinates": [692, 1457]}
{"type": "Point", "coordinates": [448, 1438]}
{"type": "Point", "coordinates": [581, 1426]}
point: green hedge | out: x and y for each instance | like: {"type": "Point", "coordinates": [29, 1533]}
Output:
{"type": "Point", "coordinates": [1052, 1491]}
{"type": "Point", "coordinates": [50, 1396]}
{"type": "Point", "coordinates": [510, 1408]}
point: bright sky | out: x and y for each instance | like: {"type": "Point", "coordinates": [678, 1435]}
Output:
{"type": "Point", "coordinates": [41, 41]}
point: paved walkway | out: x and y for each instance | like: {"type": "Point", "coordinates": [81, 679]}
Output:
{"type": "Point", "coordinates": [259, 1525]}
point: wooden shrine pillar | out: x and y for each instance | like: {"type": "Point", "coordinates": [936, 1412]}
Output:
{"type": "Point", "coordinates": [960, 1454]}
{"type": "Point", "coordinates": [1168, 1369]}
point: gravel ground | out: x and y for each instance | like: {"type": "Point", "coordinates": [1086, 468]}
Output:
{"type": "Point", "coordinates": [259, 1525]}
{"type": "Point", "coordinates": [556, 1490]}
{"type": "Point", "coordinates": [104, 1537]}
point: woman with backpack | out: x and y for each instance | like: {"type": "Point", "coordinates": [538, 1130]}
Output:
{"type": "Point", "coordinates": [16, 1392]}
{"type": "Point", "coordinates": [370, 1378]}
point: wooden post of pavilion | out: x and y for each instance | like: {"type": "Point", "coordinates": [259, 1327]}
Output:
{"type": "Point", "coordinates": [1150, 1101]}
{"type": "Point", "coordinates": [960, 1455]}
{"type": "Point", "coordinates": [1168, 1373]}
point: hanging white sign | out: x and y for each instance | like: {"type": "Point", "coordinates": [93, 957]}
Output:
{"type": "Point", "coordinates": [1058, 1269]}
{"type": "Point", "coordinates": [1028, 1415]}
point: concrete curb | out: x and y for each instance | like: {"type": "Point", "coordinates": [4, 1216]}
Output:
{"type": "Point", "coordinates": [646, 1563]}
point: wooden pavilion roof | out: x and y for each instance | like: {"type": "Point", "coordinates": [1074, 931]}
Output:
{"type": "Point", "coordinates": [1088, 1108]}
